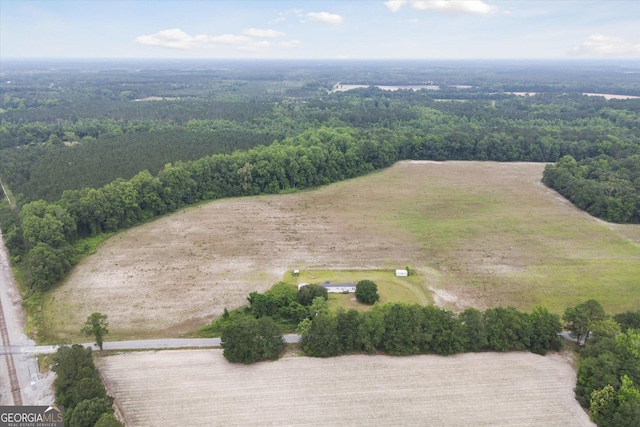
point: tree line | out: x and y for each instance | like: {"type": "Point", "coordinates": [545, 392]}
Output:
{"type": "Point", "coordinates": [50, 230]}
{"type": "Point", "coordinates": [401, 329]}
{"type": "Point", "coordinates": [609, 365]}
{"type": "Point", "coordinates": [45, 171]}
{"type": "Point", "coordinates": [604, 186]}
{"type": "Point", "coordinates": [79, 388]}
{"type": "Point", "coordinates": [397, 329]}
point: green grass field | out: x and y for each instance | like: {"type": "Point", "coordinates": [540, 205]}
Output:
{"type": "Point", "coordinates": [521, 245]}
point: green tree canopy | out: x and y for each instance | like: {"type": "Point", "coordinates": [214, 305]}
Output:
{"type": "Point", "coordinates": [71, 365]}
{"type": "Point", "coordinates": [96, 326]}
{"type": "Point", "coordinates": [307, 293]}
{"type": "Point", "coordinates": [579, 319]}
{"type": "Point", "coordinates": [88, 412]}
{"type": "Point", "coordinates": [249, 340]}
{"type": "Point", "coordinates": [545, 328]}
{"type": "Point", "coordinates": [321, 338]}
{"type": "Point", "coordinates": [108, 420]}
{"type": "Point", "coordinates": [367, 292]}
{"type": "Point", "coordinates": [628, 319]}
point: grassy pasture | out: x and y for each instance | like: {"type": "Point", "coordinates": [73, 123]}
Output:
{"type": "Point", "coordinates": [479, 234]}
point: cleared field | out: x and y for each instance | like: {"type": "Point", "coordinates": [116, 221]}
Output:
{"type": "Point", "coordinates": [479, 233]}
{"type": "Point", "coordinates": [200, 388]}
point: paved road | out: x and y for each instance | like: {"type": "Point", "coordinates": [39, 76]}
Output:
{"type": "Point", "coordinates": [20, 381]}
{"type": "Point", "coordinates": [151, 344]}
{"type": "Point", "coordinates": [11, 372]}
{"type": "Point", "coordinates": [133, 345]}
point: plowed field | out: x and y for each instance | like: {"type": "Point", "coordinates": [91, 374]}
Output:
{"type": "Point", "coordinates": [200, 388]}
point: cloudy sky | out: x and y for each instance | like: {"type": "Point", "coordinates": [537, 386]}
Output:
{"type": "Point", "coordinates": [359, 29]}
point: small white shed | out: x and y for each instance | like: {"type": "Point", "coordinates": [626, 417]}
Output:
{"type": "Point", "coordinates": [402, 273]}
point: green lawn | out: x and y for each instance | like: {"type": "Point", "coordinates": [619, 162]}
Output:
{"type": "Point", "coordinates": [390, 288]}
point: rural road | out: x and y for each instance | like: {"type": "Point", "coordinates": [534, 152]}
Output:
{"type": "Point", "coordinates": [132, 345]}
{"type": "Point", "coordinates": [20, 381]}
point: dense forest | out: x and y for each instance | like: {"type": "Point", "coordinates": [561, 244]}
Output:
{"type": "Point", "coordinates": [41, 160]}
{"type": "Point", "coordinates": [605, 186]}
{"type": "Point", "coordinates": [68, 129]}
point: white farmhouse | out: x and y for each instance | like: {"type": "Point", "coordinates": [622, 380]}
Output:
{"type": "Point", "coordinates": [336, 288]}
{"type": "Point", "coordinates": [340, 288]}
{"type": "Point", "coordinates": [402, 273]}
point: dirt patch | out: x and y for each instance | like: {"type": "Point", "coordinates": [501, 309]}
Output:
{"type": "Point", "coordinates": [472, 389]}
{"type": "Point", "coordinates": [609, 96]}
{"type": "Point", "coordinates": [444, 299]}
{"type": "Point", "coordinates": [343, 88]}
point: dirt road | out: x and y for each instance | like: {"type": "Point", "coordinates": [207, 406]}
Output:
{"type": "Point", "coordinates": [165, 343]}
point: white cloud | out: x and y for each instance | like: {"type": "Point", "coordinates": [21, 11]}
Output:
{"type": "Point", "coordinates": [256, 46]}
{"type": "Point", "coordinates": [284, 15]}
{"type": "Point", "coordinates": [476, 7]}
{"type": "Point", "coordinates": [327, 18]}
{"type": "Point", "coordinates": [178, 39]}
{"type": "Point", "coordinates": [290, 43]}
{"type": "Point", "coordinates": [231, 39]}
{"type": "Point", "coordinates": [394, 5]}
{"type": "Point", "coordinates": [601, 45]}
{"type": "Point", "coordinates": [255, 32]}
{"type": "Point", "coordinates": [174, 39]}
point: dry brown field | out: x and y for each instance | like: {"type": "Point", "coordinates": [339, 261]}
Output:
{"type": "Point", "coordinates": [479, 233]}
{"type": "Point", "coordinates": [609, 96]}
{"type": "Point", "coordinates": [200, 388]}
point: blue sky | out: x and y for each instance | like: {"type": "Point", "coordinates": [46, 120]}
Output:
{"type": "Point", "coordinates": [364, 29]}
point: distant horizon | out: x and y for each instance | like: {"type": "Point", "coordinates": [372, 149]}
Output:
{"type": "Point", "coordinates": [337, 60]}
{"type": "Point", "coordinates": [321, 29]}
{"type": "Point", "coordinates": [24, 65]}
